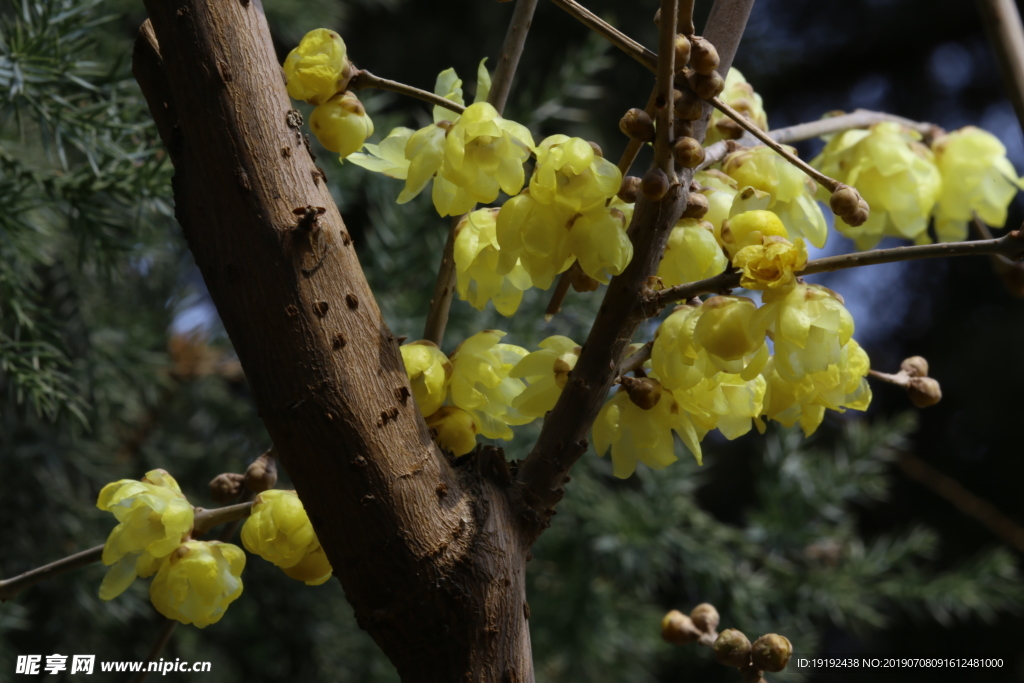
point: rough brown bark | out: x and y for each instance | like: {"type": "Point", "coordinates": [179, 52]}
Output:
{"type": "Point", "coordinates": [429, 554]}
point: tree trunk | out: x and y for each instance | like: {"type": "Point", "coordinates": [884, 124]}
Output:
{"type": "Point", "coordinates": [430, 555]}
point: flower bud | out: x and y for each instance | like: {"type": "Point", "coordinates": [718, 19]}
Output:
{"type": "Point", "coordinates": [915, 366]}
{"type": "Point", "coordinates": [226, 487]}
{"type": "Point", "coordinates": [732, 648]}
{"type": "Point", "coordinates": [687, 152]}
{"type": "Point", "coordinates": [706, 85]}
{"type": "Point", "coordinates": [696, 206]}
{"type": "Point", "coordinates": [681, 128]}
{"type": "Point", "coordinates": [705, 617]}
{"type": "Point", "coordinates": [924, 392]}
{"type": "Point", "coordinates": [654, 185]}
{"type": "Point", "coordinates": [682, 52]}
{"type": "Point", "coordinates": [581, 282]}
{"type": "Point", "coordinates": [678, 629]}
{"type": "Point", "coordinates": [630, 188]}
{"type": "Point", "coordinates": [772, 652]}
{"type": "Point", "coordinates": [262, 473]}
{"type": "Point", "coordinates": [643, 392]}
{"type": "Point", "coordinates": [637, 124]}
{"type": "Point", "coordinates": [341, 124]}
{"type": "Point", "coordinates": [847, 203]}
{"type": "Point", "coordinates": [688, 106]}
{"type": "Point", "coordinates": [703, 55]}
{"type": "Point", "coordinates": [598, 152]}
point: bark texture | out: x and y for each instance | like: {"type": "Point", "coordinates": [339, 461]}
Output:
{"type": "Point", "coordinates": [428, 553]}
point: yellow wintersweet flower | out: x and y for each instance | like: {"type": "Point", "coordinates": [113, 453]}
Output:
{"type": "Point", "coordinates": [454, 429]}
{"type": "Point", "coordinates": [728, 331]}
{"type": "Point", "coordinates": [429, 372]}
{"type": "Point", "coordinates": [341, 124]}
{"type": "Point", "coordinates": [810, 326]}
{"type": "Point", "coordinates": [843, 385]}
{"type": "Point", "coordinates": [894, 173]}
{"type": "Point", "coordinates": [483, 154]}
{"type": "Point", "coordinates": [547, 371]}
{"type": "Point", "coordinates": [425, 152]}
{"type": "Point", "coordinates": [599, 241]}
{"type": "Point", "coordinates": [316, 69]}
{"type": "Point", "coordinates": [568, 172]}
{"type": "Point", "coordinates": [727, 403]}
{"type": "Point", "coordinates": [198, 581]}
{"type": "Point", "coordinates": [535, 235]}
{"type": "Point", "coordinates": [676, 358]}
{"type": "Point", "coordinates": [481, 384]}
{"type": "Point", "coordinates": [279, 531]}
{"type": "Point", "coordinates": [976, 178]}
{"type": "Point", "coordinates": [643, 434]}
{"type": "Point", "coordinates": [691, 254]}
{"type": "Point", "coordinates": [154, 518]}
{"type": "Point", "coordinates": [478, 278]}
{"type": "Point", "coordinates": [792, 192]}
{"type": "Point", "coordinates": [739, 95]}
{"type": "Point", "coordinates": [388, 157]}
{"type": "Point", "coordinates": [771, 265]}
{"type": "Point", "coordinates": [750, 228]}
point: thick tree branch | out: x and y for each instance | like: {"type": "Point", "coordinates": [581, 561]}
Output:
{"type": "Point", "coordinates": [1010, 245]}
{"type": "Point", "coordinates": [562, 441]}
{"type": "Point", "coordinates": [431, 570]}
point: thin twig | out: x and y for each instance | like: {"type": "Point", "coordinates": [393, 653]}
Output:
{"type": "Point", "coordinates": [204, 521]}
{"type": "Point", "coordinates": [829, 184]}
{"type": "Point", "coordinates": [162, 638]}
{"type": "Point", "coordinates": [684, 19]}
{"type": "Point", "coordinates": [666, 76]}
{"type": "Point", "coordinates": [1003, 25]}
{"type": "Point", "coordinates": [1010, 245]}
{"type": "Point", "coordinates": [364, 79]}
{"type": "Point", "coordinates": [637, 359]}
{"type": "Point", "coordinates": [965, 501]}
{"type": "Point", "coordinates": [609, 33]}
{"type": "Point", "coordinates": [511, 50]}
{"type": "Point", "coordinates": [561, 289]}
{"type": "Point", "coordinates": [1010, 272]}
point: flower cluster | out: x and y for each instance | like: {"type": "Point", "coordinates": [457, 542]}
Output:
{"type": "Point", "coordinates": [906, 183]}
{"type": "Point", "coordinates": [486, 387]}
{"type": "Point", "coordinates": [195, 580]}
{"type": "Point", "coordinates": [318, 71]}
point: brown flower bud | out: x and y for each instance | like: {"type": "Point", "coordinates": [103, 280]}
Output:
{"type": "Point", "coordinates": [678, 629]}
{"type": "Point", "coordinates": [924, 392]}
{"type": "Point", "coordinates": [688, 106]}
{"type": "Point", "coordinates": [682, 52]}
{"type": "Point", "coordinates": [262, 473]}
{"type": "Point", "coordinates": [915, 366]}
{"type": "Point", "coordinates": [847, 203]}
{"type": "Point", "coordinates": [644, 393]}
{"type": "Point", "coordinates": [705, 617]}
{"type": "Point", "coordinates": [657, 17]}
{"type": "Point", "coordinates": [696, 206]}
{"type": "Point", "coordinates": [687, 152]}
{"type": "Point", "coordinates": [654, 185]}
{"type": "Point", "coordinates": [582, 282]}
{"type": "Point", "coordinates": [703, 55]}
{"type": "Point", "coordinates": [706, 85]}
{"type": "Point", "coordinates": [729, 129]}
{"type": "Point", "coordinates": [630, 188]}
{"type": "Point", "coordinates": [225, 488]}
{"type": "Point", "coordinates": [772, 652]}
{"type": "Point", "coordinates": [597, 149]}
{"type": "Point", "coordinates": [681, 128]}
{"type": "Point", "coordinates": [637, 124]}
{"type": "Point", "coordinates": [732, 648]}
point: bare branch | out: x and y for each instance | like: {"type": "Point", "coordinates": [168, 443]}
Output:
{"type": "Point", "coordinates": [14, 585]}
{"type": "Point", "coordinates": [609, 33]}
{"type": "Point", "coordinates": [1003, 25]}
{"type": "Point", "coordinates": [1010, 245]}
{"type": "Point", "coordinates": [666, 76]}
{"type": "Point", "coordinates": [364, 79]}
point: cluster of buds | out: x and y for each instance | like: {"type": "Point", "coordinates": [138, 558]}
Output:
{"type": "Point", "coordinates": [770, 652]}
{"type": "Point", "coordinates": [923, 391]}
{"type": "Point", "coordinates": [226, 488]}
{"type": "Point", "coordinates": [679, 629]}
{"type": "Point", "coordinates": [847, 203]}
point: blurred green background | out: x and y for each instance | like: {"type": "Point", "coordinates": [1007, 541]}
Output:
{"type": "Point", "coordinates": [112, 361]}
